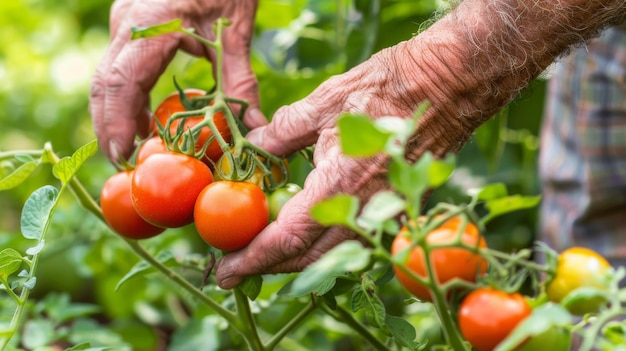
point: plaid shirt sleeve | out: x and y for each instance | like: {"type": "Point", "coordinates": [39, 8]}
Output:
{"type": "Point", "coordinates": [582, 159]}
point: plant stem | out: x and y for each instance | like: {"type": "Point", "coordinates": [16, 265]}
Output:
{"type": "Point", "coordinates": [341, 315]}
{"type": "Point", "coordinates": [247, 324]}
{"type": "Point", "coordinates": [302, 315]}
{"type": "Point", "coordinates": [4, 155]}
{"type": "Point", "coordinates": [142, 253]}
{"type": "Point", "coordinates": [450, 330]}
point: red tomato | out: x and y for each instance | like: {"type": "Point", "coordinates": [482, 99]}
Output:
{"type": "Point", "coordinates": [487, 316]}
{"type": "Point", "coordinates": [154, 145]}
{"type": "Point", "coordinates": [448, 263]}
{"type": "Point", "coordinates": [165, 186]}
{"type": "Point", "coordinates": [172, 104]}
{"type": "Point", "coordinates": [118, 210]}
{"type": "Point", "coordinates": [228, 215]}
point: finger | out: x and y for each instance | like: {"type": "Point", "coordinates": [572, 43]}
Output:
{"type": "Point", "coordinates": [299, 125]}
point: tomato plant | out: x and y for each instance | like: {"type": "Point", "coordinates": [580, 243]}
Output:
{"type": "Point", "coordinates": [165, 186]}
{"type": "Point", "coordinates": [228, 215]}
{"type": "Point", "coordinates": [118, 210]}
{"type": "Point", "coordinates": [448, 262]}
{"type": "Point", "coordinates": [579, 267]}
{"type": "Point", "coordinates": [173, 104]}
{"type": "Point", "coordinates": [280, 196]}
{"type": "Point", "coordinates": [487, 316]}
{"type": "Point", "coordinates": [225, 170]}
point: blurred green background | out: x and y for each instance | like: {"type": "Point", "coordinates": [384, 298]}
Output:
{"type": "Point", "coordinates": [50, 50]}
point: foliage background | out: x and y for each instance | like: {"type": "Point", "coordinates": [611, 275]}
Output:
{"type": "Point", "coordinates": [50, 50]}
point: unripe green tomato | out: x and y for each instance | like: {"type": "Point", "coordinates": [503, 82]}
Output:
{"type": "Point", "coordinates": [280, 196]}
{"type": "Point", "coordinates": [554, 339]}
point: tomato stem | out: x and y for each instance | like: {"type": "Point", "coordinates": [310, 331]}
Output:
{"type": "Point", "coordinates": [6, 155]}
{"type": "Point", "coordinates": [176, 278]}
{"type": "Point", "coordinates": [247, 327]}
{"type": "Point", "coordinates": [341, 315]}
{"type": "Point", "coordinates": [293, 322]}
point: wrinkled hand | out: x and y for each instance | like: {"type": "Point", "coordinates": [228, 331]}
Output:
{"type": "Point", "coordinates": [119, 102]}
{"type": "Point", "coordinates": [295, 240]}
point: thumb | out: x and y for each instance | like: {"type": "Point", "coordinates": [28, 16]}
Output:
{"type": "Point", "coordinates": [292, 128]}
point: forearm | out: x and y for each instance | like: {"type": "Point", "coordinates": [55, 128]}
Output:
{"type": "Point", "coordinates": [476, 59]}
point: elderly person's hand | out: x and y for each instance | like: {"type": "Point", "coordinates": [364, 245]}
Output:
{"type": "Point", "coordinates": [121, 86]}
{"type": "Point", "coordinates": [468, 65]}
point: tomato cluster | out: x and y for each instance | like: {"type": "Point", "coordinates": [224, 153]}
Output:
{"type": "Point", "coordinates": [171, 189]}
{"type": "Point", "coordinates": [487, 313]}
{"type": "Point", "coordinates": [447, 262]}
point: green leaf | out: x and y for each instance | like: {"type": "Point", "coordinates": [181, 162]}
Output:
{"type": "Point", "coordinates": [142, 267]}
{"type": "Point", "coordinates": [198, 334]}
{"type": "Point", "coordinates": [500, 206]}
{"type": "Point", "coordinates": [65, 169]}
{"type": "Point", "coordinates": [411, 180]}
{"type": "Point", "coordinates": [585, 299]}
{"type": "Point", "coordinates": [440, 170]}
{"type": "Point", "coordinates": [547, 325]}
{"type": "Point", "coordinates": [401, 129]}
{"type": "Point", "coordinates": [615, 332]}
{"type": "Point", "coordinates": [403, 331]}
{"type": "Point", "coordinates": [360, 137]}
{"type": "Point", "coordinates": [172, 26]}
{"type": "Point", "coordinates": [60, 309]}
{"type": "Point", "coordinates": [319, 277]}
{"type": "Point", "coordinates": [382, 206]}
{"type": "Point", "coordinates": [251, 286]}
{"type": "Point", "coordinates": [38, 333]}
{"type": "Point", "coordinates": [10, 262]}
{"type": "Point", "coordinates": [365, 298]}
{"type": "Point", "coordinates": [489, 192]}
{"type": "Point", "coordinates": [338, 210]}
{"type": "Point", "coordinates": [18, 176]}
{"type": "Point", "coordinates": [37, 212]}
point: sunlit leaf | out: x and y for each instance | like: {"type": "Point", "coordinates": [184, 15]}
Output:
{"type": "Point", "coordinates": [143, 267]}
{"type": "Point", "coordinates": [348, 256]}
{"type": "Point", "coordinates": [37, 211]}
{"type": "Point", "coordinates": [38, 332]}
{"type": "Point", "coordinates": [382, 206]}
{"type": "Point", "coordinates": [10, 262]}
{"type": "Point", "coordinates": [18, 176]}
{"type": "Point", "coordinates": [548, 318]}
{"type": "Point", "coordinates": [440, 170]}
{"type": "Point", "coordinates": [411, 180]}
{"type": "Point", "coordinates": [403, 331]}
{"type": "Point", "coordinates": [338, 210]}
{"type": "Point", "coordinates": [615, 332]}
{"type": "Point", "coordinates": [360, 137]}
{"type": "Point", "coordinates": [198, 334]}
{"type": "Point", "coordinates": [585, 299]}
{"type": "Point", "coordinates": [65, 169]}
{"type": "Point", "coordinates": [251, 286]}
{"type": "Point", "coordinates": [401, 129]}
{"type": "Point", "coordinates": [500, 206]}
{"type": "Point", "coordinates": [172, 26]}
{"type": "Point", "coordinates": [489, 192]}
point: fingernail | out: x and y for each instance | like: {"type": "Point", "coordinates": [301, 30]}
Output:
{"type": "Point", "coordinates": [113, 150]}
